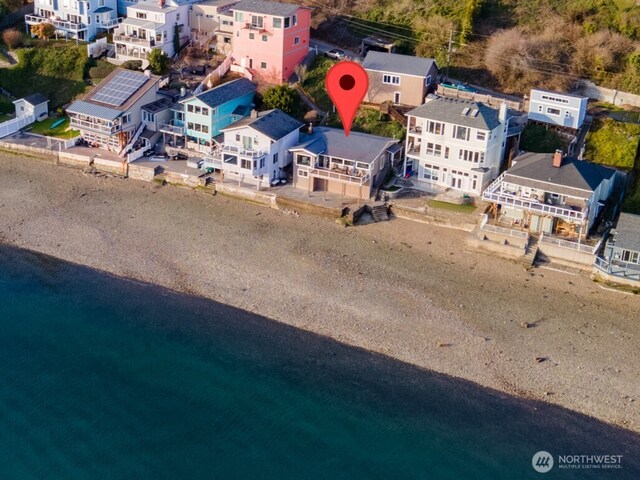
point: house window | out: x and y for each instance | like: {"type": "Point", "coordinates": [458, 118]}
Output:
{"type": "Point", "coordinates": [205, 111]}
{"type": "Point", "coordinates": [296, 40]}
{"type": "Point", "coordinates": [141, 15]}
{"type": "Point", "coordinates": [461, 133]}
{"type": "Point", "coordinates": [294, 20]}
{"type": "Point", "coordinates": [263, 65]}
{"type": "Point", "coordinates": [251, 36]}
{"type": "Point", "coordinates": [303, 160]}
{"type": "Point", "coordinates": [239, 17]}
{"type": "Point", "coordinates": [471, 156]}
{"type": "Point", "coordinates": [190, 108]}
{"type": "Point", "coordinates": [303, 173]}
{"type": "Point", "coordinates": [474, 183]}
{"type": "Point", "coordinates": [177, 16]}
{"type": "Point", "coordinates": [630, 256]}
{"type": "Point", "coordinates": [190, 126]}
{"type": "Point", "coordinates": [126, 118]}
{"type": "Point", "coordinates": [287, 22]}
{"type": "Point", "coordinates": [275, 158]}
{"type": "Point", "coordinates": [262, 162]}
{"type": "Point", "coordinates": [436, 128]}
{"type": "Point", "coordinates": [430, 172]}
{"type": "Point", "coordinates": [434, 149]}
{"type": "Point", "coordinates": [245, 163]}
{"type": "Point", "coordinates": [427, 81]}
{"type": "Point", "coordinates": [481, 135]}
{"type": "Point", "coordinates": [566, 114]}
{"type": "Point", "coordinates": [446, 152]}
{"type": "Point", "coordinates": [205, 129]}
{"type": "Point", "coordinates": [257, 22]}
{"type": "Point", "coordinates": [198, 127]}
{"type": "Point", "coordinates": [540, 108]}
{"type": "Point", "coordinates": [88, 19]}
{"type": "Point", "coordinates": [237, 137]}
{"type": "Point", "coordinates": [101, 3]}
{"type": "Point", "coordinates": [553, 111]}
{"type": "Point", "coordinates": [264, 38]}
{"type": "Point", "coordinates": [391, 79]}
{"type": "Point", "coordinates": [197, 110]}
{"type": "Point", "coordinates": [277, 23]}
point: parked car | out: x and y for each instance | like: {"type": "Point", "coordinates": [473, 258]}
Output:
{"type": "Point", "coordinates": [335, 53]}
{"type": "Point", "coordinates": [463, 87]}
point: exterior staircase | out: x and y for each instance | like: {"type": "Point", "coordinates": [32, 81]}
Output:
{"type": "Point", "coordinates": [380, 213]}
{"type": "Point", "coordinates": [532, 250]}
{"type": "Point", "coordinates": [132, 142]}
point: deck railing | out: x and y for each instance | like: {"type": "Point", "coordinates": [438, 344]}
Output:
{"type": "Point", "coordinates": [80, 124]}
{"type": "Point", "coordinates": [617, 270]}
{"type": "Point", "coordinates": [580, 247]}
{"type": "Point", "coordinates": [122, 38]}
{"type": "Point", "coordinates": [59, 24]}
{"type": "Point", "coordinates": [341, 177]}
{"type": "Point", "coordinates": [172, 127]}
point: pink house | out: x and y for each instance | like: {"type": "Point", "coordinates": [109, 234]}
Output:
{"type": "Point", "coordinates": [270, 38]}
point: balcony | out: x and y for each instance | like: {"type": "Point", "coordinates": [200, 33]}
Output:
{"type": "Point", "coordinates": [174, 127]}
{"type": "Point", "coordinates": [103, 128]}
{"type": "Point", "coordinates": [108, 25]}
{"type": "Point", "coordinates": [58, 24]}
{"type": "Point", "coordinates": [134, 40]}
{"type": "Point", "coordinates": [233, 164]}
{"type": "Point", "coordinates": [417, 129]}
{"type": "Point", "coordinates": [340, 174]}
{"type": "Point", "coordinates": [496, 193]}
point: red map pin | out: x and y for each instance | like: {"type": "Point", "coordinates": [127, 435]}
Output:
{"type": "Point", "coordinates": [347, 84]}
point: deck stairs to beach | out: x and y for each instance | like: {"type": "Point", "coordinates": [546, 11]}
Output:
{"type": "Point", "coordinates": [132, 142]}
{"type": "Point", "coordinates": [532, 250]}
{"type": "Point", "coordinates": [380, 213]}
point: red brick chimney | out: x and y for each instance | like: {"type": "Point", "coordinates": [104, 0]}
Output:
{"type": "Point", "coordinates": [557, 158]}
{"type": "Point", "coordinates": [161, 3]}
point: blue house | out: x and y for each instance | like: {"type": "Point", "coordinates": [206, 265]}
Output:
{"type": "Point", "coordinates": [620, 258]}
{"type": "Point", "coordinates": [199, 118]}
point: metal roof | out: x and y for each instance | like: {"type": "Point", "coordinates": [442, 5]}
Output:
{"type": "Point", "coordinates": [138, 22]}
{"type": "Point", "coordinates": [450, 110]}
{"type": "Point", "coordinates": [158, 105]}
{"type": "Point", "coordinates": [396, 63]}
{"type": "Point", "coordinates": [103, 10]}
{"type": "Point", "coordinates": [93, 110]}
{"type": "Point", "coordinates": [360, 147]}
{"type": "Point", "coordinates": [224, 93]}
{"type": "Point", "coordinates": [277, 9]}
{"type": "Point", "coordinates": [577, 178]}
{"type": "Point", "coordinates": [627, 234]}
{"type": "Point", "coordinates": [35, 99]}
{"type": "Point", "coordinates": [275, 124]}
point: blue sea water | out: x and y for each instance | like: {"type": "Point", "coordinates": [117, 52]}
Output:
{"type": "Point", "coordinates": [106, 378]}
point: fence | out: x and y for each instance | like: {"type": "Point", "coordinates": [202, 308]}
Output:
{"type": "Point", "coordinates": [98, 48]}
{"type": "Point", "coordinates": [219, 72]}
{"type": "Point", "coordinates": [615, 97]}
{"type": "Point", "coordinates": [11, 18]}
{"type": "Point", "coordinates": [580, 247]}
{"type": "Point", "coordinates": [12, 126]}
{"type": "Point", "coordinates": [479, 97]}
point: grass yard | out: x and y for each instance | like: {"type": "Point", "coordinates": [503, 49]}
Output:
{"type": "Point", "coordinates": [60, 131]}
{"type": "Point", "coordinates": [55, 69]}
{"type": "Point", "coordinates": [451, 206]}
{"type": "Point", "coordinates": [314, 83]}
{"type": "Point", "coordinates": [536, 138]}
{"type": "Point", "coordinates": [613, 143]}
{"type": "Point", "coordinates": [369, 120]}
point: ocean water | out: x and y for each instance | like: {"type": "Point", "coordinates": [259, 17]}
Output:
{"type": "Point", "coordinates": [106, 378]}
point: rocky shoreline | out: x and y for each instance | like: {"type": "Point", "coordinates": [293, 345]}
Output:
{"type": "Point", "coordinates": [400, 288]}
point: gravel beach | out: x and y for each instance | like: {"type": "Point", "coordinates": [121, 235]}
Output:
{"type": "Point", "coordinates": [404, 289]}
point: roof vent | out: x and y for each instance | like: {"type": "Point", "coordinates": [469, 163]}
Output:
{"type": "Point", "coordinates": [465, 111]}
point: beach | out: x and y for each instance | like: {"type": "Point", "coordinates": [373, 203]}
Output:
{"type": "Point", "coordinates": [404, 289]}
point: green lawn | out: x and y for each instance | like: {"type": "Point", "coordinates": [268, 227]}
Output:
{"type": "Point", "coordinates": [613, 143]}
{"type": "Point", "coordinates": [5, 116]}
{"type": "Point", "coordinates": [314, 83]}
{"type": "Point", "coordinates": [536, 138]}
{"type": "Point", "coordinates": [43, 128]}
{"type": "Point", "coordinates": [451, 206]}
{"type": "Point", "coordinates": [369, 120]}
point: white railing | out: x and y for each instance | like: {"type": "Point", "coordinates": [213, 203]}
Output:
{"type": "Point", "coordinates": [580, 247]}
{"type": "Point", "coordinates": [132, 142]}
{"type": "Point", "coordinates": [219, 72]}
{"type": "Point", "coordinates": [509, 232]}
{"type": "Point", "coordinates": [243, 152]}
{"type": "Point", "coordinates": [110, 23]}
{"type": "Point", "coordinates": [623, 271]}
{"type": "Point", "coordinates": [59, 24]}
{"type": "Point", "coordinates": [171, 127]}
{"type": "Point", "coordinates": [341, 177]}
{"type": "Point", "coordinates": [146, 42]}
{"type": "Point", "coordinates": [493, 193]}
{"type": "Point", "coordinates": [136, 154]}
{"type": "Point", "coordinates": [80, 124]}
{"type": "Point", "coordinates": [15, 124]}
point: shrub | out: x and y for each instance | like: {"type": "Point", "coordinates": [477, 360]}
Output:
{"type": "Point", "coordinates": [98, 72]}
{"type": "Point", "coordinates": [43, 30]}
{"type": "Point", "coordinates": [158, 61]}
{"type": "Point", "coordinates": [283, 97]}
{"type": "Point", "coordinates": [537, 138]}
{"type": "Point", "coordinates": [613, 143]}
{"type": "Point", "coordinates": [12, 38]}
{"type": "Point", "coordinates": [132, 65]}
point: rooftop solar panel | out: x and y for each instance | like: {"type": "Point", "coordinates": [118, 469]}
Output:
{"type": "Point", "coordinates": [120, 88]}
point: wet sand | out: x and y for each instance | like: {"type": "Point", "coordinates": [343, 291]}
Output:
{"type": "Point", "coordinates": [403, 289]}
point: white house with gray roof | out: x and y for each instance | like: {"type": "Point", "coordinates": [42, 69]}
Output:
{"type": "Point", "coordinates": [400, 79]}
{"type": "Point", "coordinates": [620, 259]}
{"type": "Point", "coordinates": [326, 160]}
{"type": "Point", "coordinates": [560, 109]}
{"type": "Point", "coordinates": [455, 144]}
{"type": "Point", "coordinates": [110, 115]}
{"type": "Point", "coordinates": [551, 194]}
{"type": "Point", "coordinates": [255, 149]}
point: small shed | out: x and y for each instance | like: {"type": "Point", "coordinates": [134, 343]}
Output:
{"type": "Point", "coordinates": [35, 104]}
{"type": "Point", "coordinates": [560, 109]}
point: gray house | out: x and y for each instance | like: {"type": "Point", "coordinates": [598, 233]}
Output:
{"type": "Point", "coordinates": [560, 109]}
{"type": "Point", "coordinates": [401, 79]}
{"type": "Point", "coordinates": [620, 260]}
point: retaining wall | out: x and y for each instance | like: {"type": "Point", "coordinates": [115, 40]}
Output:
{"type": "Point", "coordinates": [110, 166]}
{"type": "Point", "coordinates": [267, 199]}
{"type": "Point", "coordinates": [138, 172]}
{"type": "Point", "coordinates": [74, 160]}
{"type": "Point", "coordinates": [294, 204]}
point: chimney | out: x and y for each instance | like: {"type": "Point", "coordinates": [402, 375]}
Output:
{"type": "Point", "coordinates": [254, 113]}
{"type": "Point", "coordinates": [310, 128]}
{"type": "Point", "coordinates": [557, 158]}
{"type": "Point", "coordinates": [161, 2]}
{"type": "Point", "coordinates": [183, 91]}
{"type": "Point", "coordinates": [502, 115]}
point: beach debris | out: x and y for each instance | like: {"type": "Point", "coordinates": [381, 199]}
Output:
{"type": "Point", "coordinates": [525, 324]}
{"type": "Point", "coordinates": [293, 213]}
{"type": "Point", "coordinates": [540, 359]}
{"type": "Point", "coordinates": [444, 344]}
